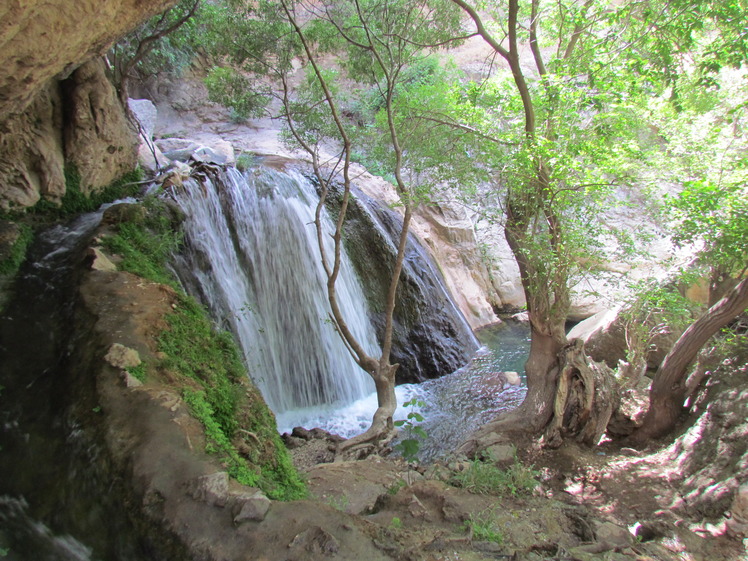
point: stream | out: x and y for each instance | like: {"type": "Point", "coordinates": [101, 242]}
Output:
{"type": "Point", "coordinates": [454, 405]}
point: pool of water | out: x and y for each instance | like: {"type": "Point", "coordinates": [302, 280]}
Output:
{"type": "Point", "coordinates": [454, 405]}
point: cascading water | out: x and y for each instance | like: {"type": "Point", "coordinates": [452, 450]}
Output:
{"type": "Point", "coordinates": [253, 258]}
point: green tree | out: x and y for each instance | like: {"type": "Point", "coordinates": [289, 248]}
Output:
{"type": "Point", "coordinates": [583, 76]}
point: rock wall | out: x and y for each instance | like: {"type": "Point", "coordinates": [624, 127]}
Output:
{"type": "Point", "coordinates": [44, 39]}
{"type": "Point", "coordinates": [99, 139]}
{"type": "Point", "coordinates": [54, 105]}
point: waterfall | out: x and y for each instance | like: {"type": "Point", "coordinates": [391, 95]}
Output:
{"type": "Point", "coordinates": [253, 258]}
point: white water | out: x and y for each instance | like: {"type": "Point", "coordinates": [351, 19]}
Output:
{"type": "Point", "coordinates": [254, 255]}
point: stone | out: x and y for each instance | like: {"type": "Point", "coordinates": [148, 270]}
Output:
{"type": "Point", "coordinates": [99, 261]}
{"type": "Point", "coordinates": [32, 154]}
{"type": "Point", "coordinates": [417, 509]}
{"type": "Point", "coordinates": [502, 454]}
{"type": "Point", "coordinates": [207, 155]}
{"type": "Point", "coordinates": [42, 39]}
{"type": "Point", "coordinates": [149, 155]}
{"type": "Point", "coordinates": [512, 378]}
{"type": "Point", "coordinates": [131, 381]}
{"type": "Point", "coordinates": [212, 488]}
{"type": "Point", "coordinates": [317, 541]}
{"type": "Point", "coordinates": [251, 507]}
{"type": "Point", "coordinates": [122, 357]}
{"type": "Point", "coordinates": [613, 536]}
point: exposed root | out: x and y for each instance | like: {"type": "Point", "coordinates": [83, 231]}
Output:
{"type": "Point", "coordinates": [586, 397]}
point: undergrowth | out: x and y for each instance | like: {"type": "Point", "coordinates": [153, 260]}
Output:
{"type": "Point", "coordinates": [206, 367]}
{"type": "Point", "coordinates": [484, 527]}
{"type": "Point", "coordinates": [485, 478]}
{"type": "Point", "coordinates": [74, 201]}
{"type": "Point", "coordinates": [9, 265]}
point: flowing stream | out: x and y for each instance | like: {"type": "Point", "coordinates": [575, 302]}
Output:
{"type": "Point", "coordinates": [53, 492]}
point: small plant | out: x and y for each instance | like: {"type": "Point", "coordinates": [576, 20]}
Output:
{"type": "Point", "coordinates": [395, 487]}
{"type": "Point", "coordinates": [484, 478]}
{"type": "Point", "coordinates": [482, 526]}
{"type": "Point", "coordinates": [138, 371]}
{"type": "Point", "coordinates": [341, 502]}
{"type": "Point", "coordinates": [396, 523]}
{"type": "Point", "coordinates": [410, 445]}
{"type": "Point", "coordinates": [244, 162]}
{"type": "Point", "coordinates": [10, 265]}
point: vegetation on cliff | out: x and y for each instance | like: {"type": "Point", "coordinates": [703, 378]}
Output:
{"type": "Point", "coordinates": [204, 363]}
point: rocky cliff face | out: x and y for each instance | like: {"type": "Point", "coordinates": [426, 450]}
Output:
{"type": "Point", "coordinates": [45, 39]}
{"type": "Point", "coordinates": [54, 105]}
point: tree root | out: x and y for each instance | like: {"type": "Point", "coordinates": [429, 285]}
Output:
{"type": "Point", "coordinates": [586, 397]}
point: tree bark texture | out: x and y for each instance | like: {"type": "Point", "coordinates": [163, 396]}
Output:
{"type": "Point", "coordinates": [586, 397]}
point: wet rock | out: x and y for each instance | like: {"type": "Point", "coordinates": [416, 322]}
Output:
{"type": "Point", "coordinates": [122, 357]}
{"type": "Point", "coordinates": [124, 212]}
{"type": "Point", "coordinates": [251, 506]}
{"type": "Point", "coordinates": [212, 488]}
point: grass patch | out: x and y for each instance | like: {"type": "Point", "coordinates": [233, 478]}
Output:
{"type": "Point", "coordinates": [204, 364]}
{"type": "Point", "coordinates": [483, 527]}
{"type": "Point", "coordinates": [139, 371]}
{"type": "Point", "coordinates": [10, 265]}
{"type": "Point", "coordinates": [76, 202]}
{"type": "Point", "coordinates": [484, 478]}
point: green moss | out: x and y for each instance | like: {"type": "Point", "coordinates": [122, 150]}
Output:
{"type": "Point", "coordinates": [76, 202]}
{"type": "Point", "coordinates": [10, 265]}
{"type": "Point", "coordinates": [231, 410]}
{"type": "Point", "coordinates": [147, 242]}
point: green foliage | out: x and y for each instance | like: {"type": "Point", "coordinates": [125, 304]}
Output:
{"type": "Point", "coordinates": [74, 201]}
{"type": "Point", "coordinates": [244, 162]}
{"type": "Point", "coordinates": [232, 89]}
{"type": "Point", "coordinates": [396, 523]}
{"type": "Point", "coordinates": [484, 478]}
{"type": "Point", "coordinates": [10, 265]}
{"type": "Point", "coordinates": [139, 371]}
{"type": "Point", "coordinates": [411, 444]}
{"type": "Point", "coordinates": [147, 245]}
{"type": "Point", "coordinates": [483, 527]}
{"type": "Point", "coordinates": [717, 216]}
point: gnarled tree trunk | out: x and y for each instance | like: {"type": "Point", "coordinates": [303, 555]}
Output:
{"type": "Point", "coordinates": [669, 389]}
{"type": "Point", "coordinates": [586, 397]}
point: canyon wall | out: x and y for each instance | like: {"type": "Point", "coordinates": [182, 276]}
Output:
{"type": "Point", "coordinates": [56, 104]}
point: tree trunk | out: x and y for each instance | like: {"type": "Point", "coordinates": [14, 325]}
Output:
{"type": "Point", "coordinates": [382, 429]}
{"type": "Point", "coordinates": [669, 387]}
{"type": "Point", "coordinates": [586, 397]}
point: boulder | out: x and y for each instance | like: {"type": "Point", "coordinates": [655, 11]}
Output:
{"type": "Point", "coordinates": [122, 357]}
{"type": "Point", "coordinates": [212, 488]}
{"type": "Point", "coordinates": [251, 506]}
{"type": "Point", "coordinates": [145, 113]}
